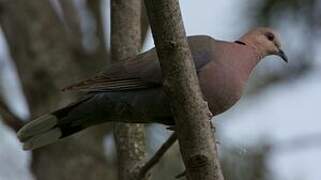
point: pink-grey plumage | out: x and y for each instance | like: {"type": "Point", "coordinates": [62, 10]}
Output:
{"type": "Point", "coordinates": [131, 91]}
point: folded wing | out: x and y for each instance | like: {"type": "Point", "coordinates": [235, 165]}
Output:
{"type": "Point", "coordinates": [142, 71]}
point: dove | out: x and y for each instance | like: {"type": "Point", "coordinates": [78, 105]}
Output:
{"type": "Point", "coordinates": [130, 91]}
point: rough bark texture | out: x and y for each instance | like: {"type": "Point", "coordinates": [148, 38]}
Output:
{"type": "Point", "coordinates": [144, 24]}
{"type": "Point", "coordinates": [126, 42]}
{"type": "Point", "coordinates": [197, 143]}
{"type": "Point", "coordinates": [47, 60]}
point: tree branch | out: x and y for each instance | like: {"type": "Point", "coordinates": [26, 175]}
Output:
{"type": "Point", "coordinates": [147, 166]}
{"type": "Point", "coordinates": [72, 22]}
{"type": "Point", "coordinates": [126, 42]}
{"type": "Point", "coordinates": [45, 61]}
{"type": "Point", "coordinates": [196, 140]}
{"type": "Point", "coordinates": [95, 8]}
{"type": "Point", "coordinates": [144, 25]}
{"type": "Point", "coordinates": [9, 118]}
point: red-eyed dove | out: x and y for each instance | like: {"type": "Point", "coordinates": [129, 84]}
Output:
{"type": "Point", "coordinates": [131, 91]}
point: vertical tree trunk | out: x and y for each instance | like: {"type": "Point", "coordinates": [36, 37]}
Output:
{"type": "Point", "coordinates": [126, 42]}
{"type": "Point", "coordinates": [95, 8]}
{"type": "Point", "coordinates": [196, 140]}
{"type": "Point", "coordinates": [46, 62]}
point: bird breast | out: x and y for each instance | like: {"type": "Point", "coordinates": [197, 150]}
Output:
{"type": "Point", "coordinates": [221, 87]}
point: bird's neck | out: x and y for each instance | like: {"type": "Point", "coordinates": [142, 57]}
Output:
{"type": "Point", "coordinates": [251, 59]}
{"type": "Point", "coordinates": [247, 67]}
{"type": "Point", "coordinates": [256, 46]}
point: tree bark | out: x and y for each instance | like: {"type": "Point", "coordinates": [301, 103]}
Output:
{"type": "Point", "coordinates": [46, 61]}
{"type": "Point", "coordinates": [126, 42]}
{"type": "Point", "coordinates": [196, 140]}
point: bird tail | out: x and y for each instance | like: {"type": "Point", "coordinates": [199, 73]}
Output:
{"type": "Point", "coordinates": [40, 132]}
{"type": "Point", "coordinates": [50, 128]}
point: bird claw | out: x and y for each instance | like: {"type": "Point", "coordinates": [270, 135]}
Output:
{"type": "Point", "coordinates": [212, 125]}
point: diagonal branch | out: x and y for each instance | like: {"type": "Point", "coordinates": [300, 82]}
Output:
{"type": "Point", "coordinates": [145, 168]}
{"type": "Point", "coordinates": [181, 85]}
{"type": "Point", "coordinates": [9, 118]}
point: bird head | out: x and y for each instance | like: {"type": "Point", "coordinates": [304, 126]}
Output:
{"type": "Point", "coordinates": [265, 41]}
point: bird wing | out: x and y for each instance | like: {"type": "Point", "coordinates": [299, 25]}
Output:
{"type": "Point", "coordinates": [125, 75]}
{"type": "Point", "coordinates": [142, 71]}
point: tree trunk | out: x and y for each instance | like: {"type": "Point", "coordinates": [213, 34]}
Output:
{"type": "Point", "coordinates": [47, 61]}
{"type": "Point", "coordinates": [126, 42]}
{"type": "Point", "coordinates": [196, 140]}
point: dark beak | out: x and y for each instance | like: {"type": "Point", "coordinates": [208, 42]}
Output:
{"type": "Point", "coordinates": [282, 55]}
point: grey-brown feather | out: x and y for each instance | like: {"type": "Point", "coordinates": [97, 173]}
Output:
{"type": "Point", "coordinates": [131, 91]}
{"type": "Point", "coordinates": [142, 71]}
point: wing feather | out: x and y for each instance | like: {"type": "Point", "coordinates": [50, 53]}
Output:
{"type": "Point", "coordinates": [142, 71]}
{"type": "Point", "coordinates": [122, 76]}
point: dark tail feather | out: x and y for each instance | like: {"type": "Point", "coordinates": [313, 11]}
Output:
{"type": "Point", "coordinates": [48, 128]}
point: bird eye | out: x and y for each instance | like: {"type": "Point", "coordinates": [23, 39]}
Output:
{"type": "Point", "coordinates": [269, 36]}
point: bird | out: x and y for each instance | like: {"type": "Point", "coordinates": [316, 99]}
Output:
{"type": "Point", "coordinates": [131, 91]}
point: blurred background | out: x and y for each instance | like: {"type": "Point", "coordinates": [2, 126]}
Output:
{"type": "Point", "coordinates": [273, 133]}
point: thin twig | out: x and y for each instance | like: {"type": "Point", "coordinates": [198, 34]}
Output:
{"type": "Point", "coordinates": [9, 118]}
{"type": "Point", "coordinates": [157, 156]}
{"type": "Point", "coordinates": [180, 175]}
